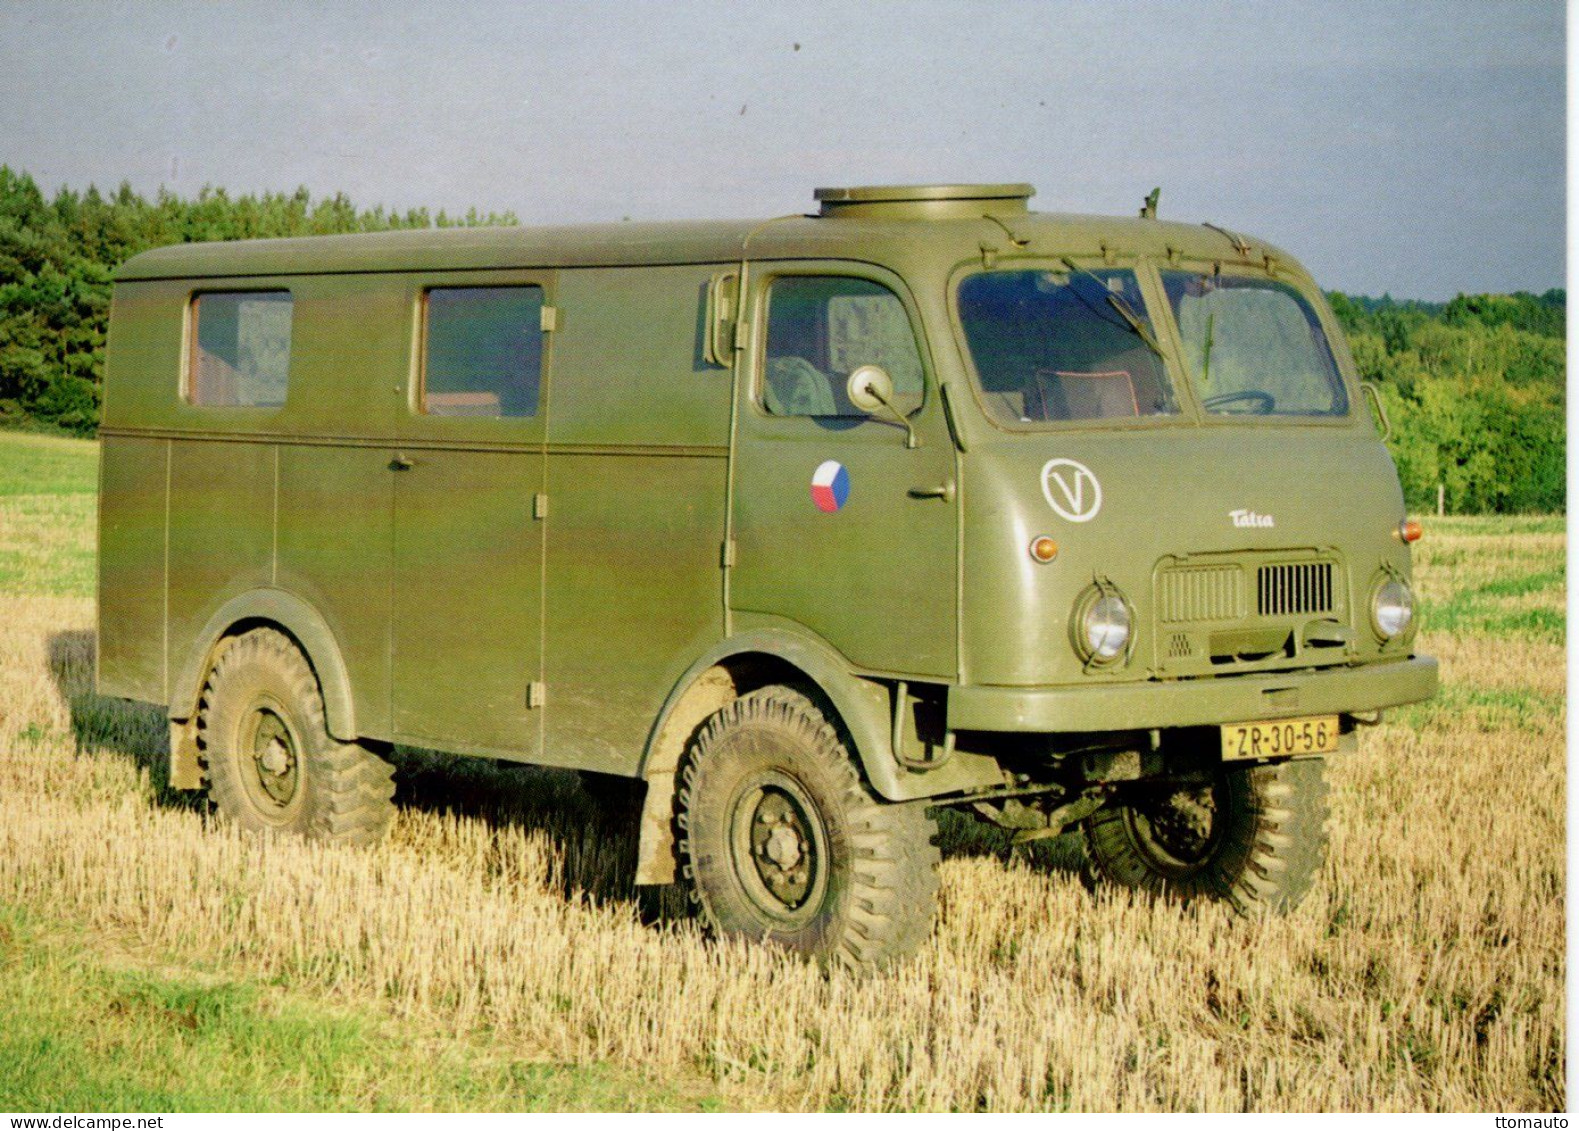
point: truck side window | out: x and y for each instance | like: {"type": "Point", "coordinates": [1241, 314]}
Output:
{"type": "Point", "coordinates": [820, 329]}
{"type": "Point", "coordinates": [483, 353]}
{"type": "Point", "coordinates": [241, 349]}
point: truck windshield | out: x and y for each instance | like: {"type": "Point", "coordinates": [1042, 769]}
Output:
{"type": "Point", "coordinates": [1052, 345]}
{"type": "Point", "coordinates": [1254, 346]}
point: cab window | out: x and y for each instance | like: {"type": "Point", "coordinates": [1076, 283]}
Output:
{"type": "Point", "coordinates": [821, 328]}
{"type": "Point", "coordinates": [483, 351]}
{"type": "Point", "coordinates": [241, 349]}
{"type": "Point", "coordinates": [1056, 345]}
{"type": "Point", "coordinates": [1254, 346]}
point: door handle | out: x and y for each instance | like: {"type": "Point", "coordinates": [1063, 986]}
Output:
{"type": "Point", "coordinates": [944, 491]}
{"type": "Point", "coordinates": [401, 462]}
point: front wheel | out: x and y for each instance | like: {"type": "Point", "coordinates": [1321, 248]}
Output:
{"type": "Point", "coordinates": [783, 843]}
{"type": "Point", "coordinates": [1256, 836]}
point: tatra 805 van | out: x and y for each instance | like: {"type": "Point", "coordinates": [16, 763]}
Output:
{"type": "Point", "coordinates": [813, 525]}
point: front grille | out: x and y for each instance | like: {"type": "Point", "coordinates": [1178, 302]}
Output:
{"type": "Point", "coordinates": [1294, 589]}
{"type": "Point", "coordinates": [1202, 593]}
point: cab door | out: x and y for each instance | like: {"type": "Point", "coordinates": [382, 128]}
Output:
{"type": "Point", "coordinates": [466, 631]}
{"type": "Point", "coordinates": [839, 524]}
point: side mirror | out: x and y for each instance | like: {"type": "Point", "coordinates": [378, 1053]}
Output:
{"type": "Point", "coordinates": [871, 390]}
{"type": "Point", "coordinates": [1374, 396]}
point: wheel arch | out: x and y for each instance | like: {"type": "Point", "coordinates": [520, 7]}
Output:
{"type": "Point", "coordinates": [306, 627]}
{"type": "Point", "coordinates": [743, 664]}
{"type": "Point", "coordinates": [756, 659]}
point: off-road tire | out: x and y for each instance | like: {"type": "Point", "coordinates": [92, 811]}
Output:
{"type": "Point", "coordinates": [871, 866]}
{"type": "Point", "coordinates": [260, 694]}
{"type": "Point", "coordinates": [1267, 843]}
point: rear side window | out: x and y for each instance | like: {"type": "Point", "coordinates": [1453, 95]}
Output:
{"type": "Point", "coordinates": [241, 349]}
{"type": "Point", "coordinates": [484, 351]}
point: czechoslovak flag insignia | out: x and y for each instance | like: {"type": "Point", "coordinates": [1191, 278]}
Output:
{"type": "Point", "coordinates": [830, 486]}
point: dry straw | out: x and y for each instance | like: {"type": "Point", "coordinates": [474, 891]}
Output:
{"type": "Point", "coordinates": [1425, 971]}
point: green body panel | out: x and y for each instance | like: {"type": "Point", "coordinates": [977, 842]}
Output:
{"type": "Point", "coordinates": [627, 367]}
{"type": "Point", "coordinates": [1167, 496]}
{"type": "Point", "coordinates": [467, 600]}
{"type": "Point", "coordinates": [336, 567]}
{"type": "Point", "coordinates": [652, 520]}
{"type": "Point", "coordinates": [877, 576]}
{"type": "Point", "coordinates": [637, 457]}
{"type": "Point", "coordinates": [131, 651]}
{"type": "Point", "coordinates": [634, 595]}
{"type": "Point", "coordinates": [222, 544]}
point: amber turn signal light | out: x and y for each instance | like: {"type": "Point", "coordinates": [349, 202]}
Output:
{"type": "Point", "coordinates": [1409, 530]}
{"type": "Point", "coordinates": [1044, 549]}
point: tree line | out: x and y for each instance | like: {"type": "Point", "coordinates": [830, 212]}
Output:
{"type": "Point", "coordinates": [1474, 388]}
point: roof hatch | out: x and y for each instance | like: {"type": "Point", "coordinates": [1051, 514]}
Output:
{"type": "Point", "coordinates": [925, 202]}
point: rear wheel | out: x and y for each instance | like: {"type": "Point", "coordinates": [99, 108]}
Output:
{"type": "Point", "coordinates": [272, 764]}
{"type": "Point", "coordinates": [1256, 836]}
{"type": "Point", "coordinates": [782, 842]}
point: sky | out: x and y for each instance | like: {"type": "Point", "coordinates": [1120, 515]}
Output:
{"type": "Point", "coordinates": [1409, 148]}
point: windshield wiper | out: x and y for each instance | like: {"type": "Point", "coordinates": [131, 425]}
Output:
{"type": "Point", "coordinates": [1206, 350]}
{"type": "Point", "coordinates": [1127, 312]}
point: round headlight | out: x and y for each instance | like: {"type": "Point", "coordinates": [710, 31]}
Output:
{"type": "Point", "coordinates": [1392, 608]}
{"type": "Point", "coordinates": [1104, 628]}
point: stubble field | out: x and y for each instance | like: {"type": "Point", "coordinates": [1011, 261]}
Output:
{"type": "Point", "coordinates": [491, 954]}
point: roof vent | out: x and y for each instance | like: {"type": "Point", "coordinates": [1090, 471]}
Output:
{"type": "Point", "coordinates": [925, 202]}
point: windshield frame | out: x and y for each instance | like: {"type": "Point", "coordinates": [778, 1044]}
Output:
{"type": "Point", "coordinates": [1187, 409]}
{"type": "Point", "coordinates": [1158, 311]}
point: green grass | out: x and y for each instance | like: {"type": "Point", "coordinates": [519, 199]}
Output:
{"type": "Point", "coordinates": [79, 1033]}
{"type": "Point", "coordinates": [1489, 708]}
{"type": "Point", "coordinates": [47, 545]}
{"type": "Point", "coordinates": [47, 465]}
{"type": "Point", "coordinates": [48, 492]}
{"type": "Point", "coordinates": [1496, 524]}
{"type": "Point", "coordinates": [1483, 608]}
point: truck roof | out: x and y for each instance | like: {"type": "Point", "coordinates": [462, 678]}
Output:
{"type": "Point", "coordinates": [883, 225]}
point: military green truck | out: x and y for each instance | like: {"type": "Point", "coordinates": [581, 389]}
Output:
{"type": "Point", "coordinates": [812, 525]}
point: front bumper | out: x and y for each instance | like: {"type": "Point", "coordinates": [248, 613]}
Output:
{"type": "Point", "coordinates": [1192, 702]}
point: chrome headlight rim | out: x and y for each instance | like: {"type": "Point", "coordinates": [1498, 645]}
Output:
{"type": "Point", "coordinates": [1102, 627]}
{"type": "Point", "coordinates": [1392, 608]}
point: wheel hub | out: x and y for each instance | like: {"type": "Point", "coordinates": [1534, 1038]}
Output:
{"type": "Point", "coordinates": [274, 757]}
{"type": "Point", "coordinates": [782, 847]}
{"type": "Point", "coordinates": [1182, 824]}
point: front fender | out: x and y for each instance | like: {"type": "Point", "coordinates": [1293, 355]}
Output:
{"type": "Point", "coordinates": [864, 705]}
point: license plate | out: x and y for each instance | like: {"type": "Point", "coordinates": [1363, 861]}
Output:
{"type": "Point", "coordinates": [1280, 738]}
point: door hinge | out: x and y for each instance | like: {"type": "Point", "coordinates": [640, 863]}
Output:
{"type": "Point", "coordinates": [540, 505]}
{"type": "Point", "coordinates": [550, 319]}
{"type": "Point", "coordinates": [535, 694]}
{"type": "Point", "coordinates": [726, 557]}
